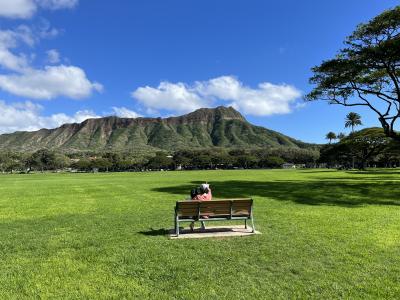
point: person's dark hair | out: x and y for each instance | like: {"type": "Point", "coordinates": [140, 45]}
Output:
{"type": "Point", "coordinates": [198, 191]}
{"type": "Point", "coordinates": [193, 193]}
{"type": "Point", "coordinates": [204, 190]}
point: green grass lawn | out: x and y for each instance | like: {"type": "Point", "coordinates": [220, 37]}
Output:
{"type": "Point", "coordinates": [325, 234]}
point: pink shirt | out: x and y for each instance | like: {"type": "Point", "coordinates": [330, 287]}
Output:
{"type": "Point", "coordinates": [204, 197]}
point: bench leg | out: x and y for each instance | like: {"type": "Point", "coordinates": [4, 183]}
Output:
{"type": "Point", "coordinates": [252, 224]}
{"type": "Point", "coordinates": [203, 225]}
{"type": "Point", "coordinates": [245, 224]}
{"type": "Point", "coordinates": [176, 226]}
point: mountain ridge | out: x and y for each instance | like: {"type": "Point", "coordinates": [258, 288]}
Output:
{"type": "Point", "coordinates": [203, 128]}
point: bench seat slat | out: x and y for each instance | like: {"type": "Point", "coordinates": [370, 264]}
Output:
{"type": "Point", "coordinates": [215, 219]}
{"type": "Point", "coordinates": [242, 211]}
{"type": "Point", "coordinates": [187, 211]}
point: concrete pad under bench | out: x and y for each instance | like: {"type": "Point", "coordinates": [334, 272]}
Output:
{"type": "Point", "coordinates": [213, 231]}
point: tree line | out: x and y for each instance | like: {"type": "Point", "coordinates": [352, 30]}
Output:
{"type": "Point", "coordinates": [48, 160]}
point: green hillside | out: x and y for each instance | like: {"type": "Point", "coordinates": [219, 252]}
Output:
{"type": "Point", "coordinates": [203, 128]}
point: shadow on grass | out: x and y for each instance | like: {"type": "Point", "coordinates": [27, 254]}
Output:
{"type": "Point", "coordinates": [316, 170]}
{"type": "Point", "coordinates": [324, 192]}
{"type": "Point", "coordinates": [377, 172]}
{"type": "Point", "coordinates": [155, 232]}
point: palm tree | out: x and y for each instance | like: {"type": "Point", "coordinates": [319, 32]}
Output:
{"type": "Point", "coordinates": [352, 119]}
{"type": "Point", "coordinates": [340, 136]}
{"type": "Point", "coordinates": [330, 136]}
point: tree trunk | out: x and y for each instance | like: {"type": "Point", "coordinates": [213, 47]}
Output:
{"type": "Point", "coordinates": [362, 166]}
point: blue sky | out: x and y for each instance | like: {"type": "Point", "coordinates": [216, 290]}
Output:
{"type": "Point", "coordinates": [66, 60]}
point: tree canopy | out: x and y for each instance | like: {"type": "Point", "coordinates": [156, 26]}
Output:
{"type": "Point", "coordinates": [331, 136]}
{"type": "Point", "coordinates": [366, 71]}
{"type": "Point", "coordinates": [365, 146]}
{"type": "Point", "coordinates": [340, 136]}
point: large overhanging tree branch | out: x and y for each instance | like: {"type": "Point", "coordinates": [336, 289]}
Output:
{"type": "Point", "coordinates": [366, 72]}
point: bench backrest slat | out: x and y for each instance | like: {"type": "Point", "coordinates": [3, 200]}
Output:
{"type": "Point", "coordinates": [242, 207]}
{"type": "Point", "coordinates": [215, 208]}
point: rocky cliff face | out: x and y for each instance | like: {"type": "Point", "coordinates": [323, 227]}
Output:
{"type": "Point", "coordinates": [203, 128]}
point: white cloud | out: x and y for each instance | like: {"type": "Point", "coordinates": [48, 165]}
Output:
{"type": "Point", "coordinates": [53, 56]}
{"type": "Point", "coordinates": [10, 39]}
{"type": "Point", "coordinates": [27, 116]}
{"type": "Point", "coordinates": [266, 99]}
{"type": "Point", "coordinates": [49, 83]}
{"type": "Point", "coordinates": [44, 30]}
{"type": "Point", "coordinates": [82, 115]}
{"type": "Point", "coordinates": [24, 9]}
{"type": "Point", "coordinates": [169, 96]}
{"type": "Point", "coordinates": [43, 83]}
{"type": "Point", "coordinates": [18, 9]}
{"type": "Point", "coordinates": [57, 4]}
{"type": "Point", "coordinates": [19, 76]}
{"type": "Point", "coordinates": [124, 112]}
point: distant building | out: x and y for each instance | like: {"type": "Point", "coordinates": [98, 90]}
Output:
{"type": "Point", "coordinates": [288, 166]}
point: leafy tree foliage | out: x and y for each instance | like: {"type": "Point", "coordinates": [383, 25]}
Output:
{"type": "Point", "coordinates": [366, 144]}
{"type": "Point", "coordinates": [366, 71]}
{"type": "Point", "coordinates": [271, 162]}
{"type": "Point", "coordinates": [160, 161]}
{"type": "Point", "coordinates": [215, 158]}
{"type": "Point", "coordinates": [331, 136]}
{"type": "Point", "coordinates": [369, 145]}
{"type": "Point", "coordinates": [102, 164]}
{"type": "Point", "coordinates": [44, 160]}
{"type": "Point", "coordinates": [352, 120]}
{"type": "Point", "coordinates": [82, 164]}
{"type": "Point", "coordinates": [340, 136]}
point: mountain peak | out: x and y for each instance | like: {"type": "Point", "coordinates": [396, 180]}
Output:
{"type": "Point", "coordinates": [219, 112]}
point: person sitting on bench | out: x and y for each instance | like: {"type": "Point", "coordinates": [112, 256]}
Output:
{"type": "Point", "coordinates": [201, 193]}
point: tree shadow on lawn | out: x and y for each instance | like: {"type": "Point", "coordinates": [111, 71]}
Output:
{"type": "Point", "coordinates": [377, 172]}
{"type": "Point", "coordinates": [155, 232]}
{"type": "Point", "coordinates": [317, 171]}
{"type": "Point", "coordinates": [367, 179]}
{"type": "Point", "coordinates": [325, 192]}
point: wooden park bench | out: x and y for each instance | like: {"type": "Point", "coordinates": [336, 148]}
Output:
{"type": "Point", "coordinates": [214, 210]}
